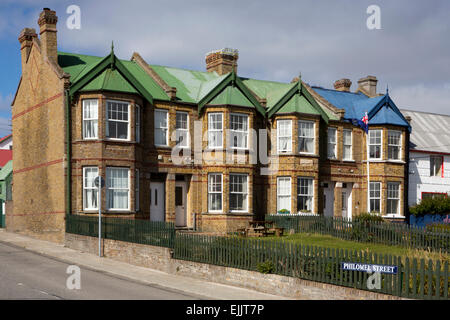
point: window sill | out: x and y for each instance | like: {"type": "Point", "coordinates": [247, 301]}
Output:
{"type": "Point", "coordinates": [348, 160]}
{"type": "Point", "coordinates": [393, 216]}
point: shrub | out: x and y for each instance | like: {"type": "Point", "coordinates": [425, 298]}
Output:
{"type": "Point", "coordinates": [368, 217]}
{"type": "Point", "coordinates": [284, 211]}
{"type": "Point", "coordinates": [438, 227]}
{"type": "Point", "coordinates": [431, 206]}
{"type": "Point", "coordinates": [265, 267]}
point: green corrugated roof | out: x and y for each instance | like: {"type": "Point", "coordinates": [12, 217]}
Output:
{"type": "Point", "coordinates": [78, 65]}
{"type": "Point", "coordinates": [192, 86]}
{"type": "Point", "coordinates": [6, 170]}
{"type": "Point", "coordinates": [231, 96]}
{"type": "Point", "coordinates": [298, 103]}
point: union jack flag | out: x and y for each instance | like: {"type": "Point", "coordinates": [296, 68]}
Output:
{"type": "Point", "coordinates": [363, 123]}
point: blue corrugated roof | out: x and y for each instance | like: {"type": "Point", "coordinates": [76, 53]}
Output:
{"type": "Point", "coordinates": [357, 104]}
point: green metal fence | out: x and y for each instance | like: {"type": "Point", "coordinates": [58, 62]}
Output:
{"type": "Point", "coordinates": [414, 279]}
{"type": "Point", "coordinates": [130, 230]}
{"type": "Point", "coordinates": [376, 232]}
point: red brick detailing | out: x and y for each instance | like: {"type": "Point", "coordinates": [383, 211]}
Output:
{"type": "Point", "coordinates": [38, 166]}
{"type": "Point", "coordinates": [37, 106]}
{"type": "Point", "coordinates": [37, 213]}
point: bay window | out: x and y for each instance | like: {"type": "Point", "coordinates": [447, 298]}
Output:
{"type": "Point", "coordinates": [394, 144]}
{"type": "Point", "coordinates": [284, 134]}
{"type": "Point", "coordinates": [305, 192]}
{"type": "Point", "coordinates": [215, 192]}
{"type": "Point", "coordinates": [375, 144]}
{"type": "Point", "coordinates": [347, 145]}
{"type": "Point", "coordinates": [239, 192]}
{"type": "Point", "coordinates": [90, 191]}
{"type": "Point", "coordinates": [117, 120]}
{"type": "Point", "coordinates": [117, 188]}
{"type": "Point", "coordinates": [90, 119]}
{"type": "Point", "coordinates": [238, 131]}
{"type": "Point", "coordinates": [137, 121]}
{"type": "Point", "coordinates": [284, 193]}
{"type": "Point", "coordinates": [306, 143]}
{"type": "Point", "coordinates": [215, 130]}
{"type": "Point", "coordinates": [375, 197]}
{"type": "Point", "coordinates": [393, 198]}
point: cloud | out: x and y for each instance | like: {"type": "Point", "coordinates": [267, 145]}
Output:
{"type": "Point", "coordinates": [423, 98]}
{"type": "Point", "coordinates": [324, 40]}
{"type": "Point", "coordinates": [5, 102]}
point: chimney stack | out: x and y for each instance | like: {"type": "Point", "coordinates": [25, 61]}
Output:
{"type": "Point", "coordinates": [26, 38]}
{"type": "Point", "coordinates": [222, 61]}
{"type": "Point", "coordinates": [369, 85]}
{"type": "Point", "coordinates": [343, 85]}
{"type": "Point", "coordinates": [47, 23]}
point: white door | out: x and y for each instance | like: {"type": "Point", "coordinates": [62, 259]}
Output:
{"type": "Point", "coordinates": [328, 199]}
{"type": "Point", "coordinates": [157, 201]}
{"type": "Point", "coordinates": [180, 204]}
{"type": "Point", "coordinates": [347, 201]}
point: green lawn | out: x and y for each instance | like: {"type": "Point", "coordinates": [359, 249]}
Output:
{"type": "Point", "coordinates": [332, 242]}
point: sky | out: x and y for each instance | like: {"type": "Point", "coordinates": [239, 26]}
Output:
{"type": "Point", "coordinates": [323, 40]}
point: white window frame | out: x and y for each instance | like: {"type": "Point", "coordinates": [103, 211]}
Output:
{"type": "Point", "coordinates": [330, 143]}
{"type": "Point", "coordinates": [215, 192]}
{"type": "Point", "coordinates": [347, 145]}
{"type": "Point", "coordinates": [245, 132]}
{"type": "Point", "coordinates": [306, 137]}
{"type": "Point", "coordinates": [376, 144]}
{"type": "Point", "coordinates": [289, 149]}
{"type": "Point", "coordinates": [433, 172]}
{"type": "Point", "coordinates": [137, 197]}
{"type": "Point", "coordinates": [108, 188]}
{"type": "Point", "coordinates": [399, 146]}
{"type": "Point", "coordinates": [137, 121]}
{"type": "Point", "coordinates": [114, 120]}
{"type": "Point", "coordinates": [374, 198]}
{"type": "Point", "coordinates": [244, 192]}
{"type": "Point", "coordinates": [214, 130]}
{"type": "Point", "coordinates": [310, 194]}
{"type": "Point", "coordinates": [287, 195]}
{"type": "Point", "coordinates": [166, 112]}
{"type": "Point", "coordinates": [89, 188]}
{"type": "Point", "coordinates": [187, 142]}
{"type": "Point", "coordinates": [89, 119]}
{"type": "Point", "coordinates": [389, 197]}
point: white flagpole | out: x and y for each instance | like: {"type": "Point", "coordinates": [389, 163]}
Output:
{"type": "Point", "coordinates": [368, 166]}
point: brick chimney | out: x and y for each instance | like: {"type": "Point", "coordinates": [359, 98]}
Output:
{"type": "Point", "coordinates": [26, 38]}
{"type": "Point", "coordinates": [343, 85]}
{"type": "Point", "coordinates": [222, 61]}
{"type": "Point", "coordinates": [47, 23]}
{"type": "Point", "coordinates": [369, 85]}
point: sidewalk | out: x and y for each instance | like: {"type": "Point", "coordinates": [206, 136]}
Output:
{"type": "Point", "coordinates": [198, 287]}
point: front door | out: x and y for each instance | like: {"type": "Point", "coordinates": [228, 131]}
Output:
{"type": "Point", "coordinates": [347, 200]}
{"type": "Point", "coordinates": [157, 201]}
{"type": "Point", "coordinates": [180, 204]}
{"type": "Point", "coordinates": [328, 199]}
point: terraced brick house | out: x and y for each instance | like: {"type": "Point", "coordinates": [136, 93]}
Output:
{"type": "Point", "coordinates": [184, 146]}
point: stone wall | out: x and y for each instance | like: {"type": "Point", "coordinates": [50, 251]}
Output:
{"type": "Point", "coordinates": [160, 259]}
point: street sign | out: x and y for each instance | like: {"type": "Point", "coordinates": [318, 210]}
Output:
{"type": "Point", "coordinates": [369, 267]}
{"type": "Point", "coordinates": [102, 181]}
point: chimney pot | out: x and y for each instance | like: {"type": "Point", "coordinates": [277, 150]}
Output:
{"type": "Point", "coordinates": [222, 61]}
{"type": "Point", "coordinates": [343, 85]}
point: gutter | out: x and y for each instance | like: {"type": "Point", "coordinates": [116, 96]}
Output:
{"type": "Point", "coordinates": [68, 156]}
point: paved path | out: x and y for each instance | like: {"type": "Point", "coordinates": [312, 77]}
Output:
{"type": "Point", "coordinates": [36, 269]}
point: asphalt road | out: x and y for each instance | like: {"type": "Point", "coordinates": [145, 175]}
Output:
{"type": "Point", "coordinates": [28, 275]}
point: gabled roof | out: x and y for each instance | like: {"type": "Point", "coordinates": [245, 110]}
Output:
{"type": "Point", "coordinates": [9, 136]}
{"type": "Point", "coordinates": [90, 73]}
{"type": "Point", "coordinates": [297, 99]}
{"type": "Point", "coordinates": [380, 109]}
{"type": "Point", "coordinates": [430, 131]}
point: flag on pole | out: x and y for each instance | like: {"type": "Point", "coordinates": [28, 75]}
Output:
{"type": "Point", "coordinates": [363, 123]}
